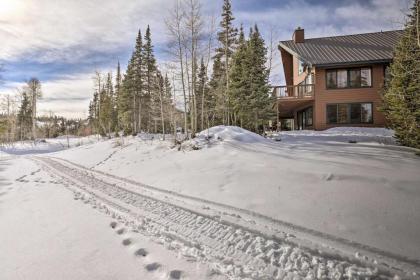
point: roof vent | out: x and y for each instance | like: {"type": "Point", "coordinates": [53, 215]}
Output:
{"type": "Point", "coordinates": [299, 35]}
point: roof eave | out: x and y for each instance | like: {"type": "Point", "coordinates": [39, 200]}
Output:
{"type": "Point", "coordinates": [355, 63]}
{"type": "Point", "coordinates": [287, 49]}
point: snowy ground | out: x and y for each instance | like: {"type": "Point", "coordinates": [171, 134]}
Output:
{"type": "Point", "coordinates": [41, 146]}
{"type": "Point", "coordinates": [239, 207]}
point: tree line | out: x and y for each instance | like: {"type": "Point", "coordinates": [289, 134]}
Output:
{"type": "Point", "coordinates": [140, 100]}
{"type": "Point", "coordinates": [234, 92]}
{"type": "Point", "coordinates": [19, 120]}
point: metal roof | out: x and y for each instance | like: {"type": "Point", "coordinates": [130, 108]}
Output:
{"type": "Point", "coordinates": [348, 49]}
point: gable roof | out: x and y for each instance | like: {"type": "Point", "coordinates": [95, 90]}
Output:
{"type": "Point", "coordinates": [348, 49]}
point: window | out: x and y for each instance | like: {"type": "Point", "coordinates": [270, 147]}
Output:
{"type": "Point", "coordinates": [353, 113]}
{"type": "Point", "coordinates": [331, 79]}
{"type": "Point", "coordinates": [332, 113]}
{"type": "Point", "coordinates": [342, 113]}
{"type": "Point", "coordinates": [309, 116]}
{"type": "Point", "coordinates": [301, 66]}
{"type": "Point", "coordinates": [342, 78]}
{"type": "Point", "coordinates": [365, 77]}
{"type": "Point", "coordinates": [349, 78]}
{"type": "Point", "coordinates": [366, 113]}
{"type": "Point", "coordinates": [354, 78]}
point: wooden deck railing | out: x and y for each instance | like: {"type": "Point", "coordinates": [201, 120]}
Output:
{"type": "Point", "coordinates": [294, 92]}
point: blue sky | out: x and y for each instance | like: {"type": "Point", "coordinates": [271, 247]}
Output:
{"type": "Point", "coordinates": [63, 42]}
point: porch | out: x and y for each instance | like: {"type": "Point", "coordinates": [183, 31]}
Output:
{"type": "Point", "coordinates": [295, 106]}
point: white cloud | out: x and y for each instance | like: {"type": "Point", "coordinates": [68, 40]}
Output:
{"type": "Point", "coordinates": [63, 31]}
{"type": "Point", "coordinates": [68, 97]}
{"type": "Point", "coordinates": [52, 28]}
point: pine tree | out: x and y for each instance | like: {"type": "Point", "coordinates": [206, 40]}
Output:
{"type": "Point", "coordinates": [402, 90]}
{"type": "Point", "coordinates": [227, 39]}
{"type": "Point", "coordinates": [118, 82]}
{"type": "Point", "coordinates": [132, 88]}
{"type": "Point", "coordinates": [151, 96]}
{"type": "Point", "coordinates": [216, 84]}
{"type": "Point", "coordinates": [24, 117]}
{"type": "Point", "coordinates": [239, 91]}
{"type": "Point", "coordinates": [260, 99]}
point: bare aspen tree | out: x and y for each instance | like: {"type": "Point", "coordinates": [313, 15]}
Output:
{"type": "Point", "coordinates": [173, 108]}
{"type": "Point", "coordinates": [176, 32]}
{"type": "Point", "coordinates": [194, 25]}
{"type": "Point", "coordinates": [211, 34]}
{"type": "Point", "coordinates": [160, 88]}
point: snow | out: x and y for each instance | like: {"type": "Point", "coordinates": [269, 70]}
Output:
{"type": "Point", "coordinates": [315, 188]}
{"type": "Point", "coordinates": [344, 189]}
{"type": "Point", "coordinates": [50, 235]}
{"type": "Point", "coordinates": [230, 133]}
{"type": "Point", "coordinates": [340, 134]}
{"type": "Point", "coordinates": [41, 146]}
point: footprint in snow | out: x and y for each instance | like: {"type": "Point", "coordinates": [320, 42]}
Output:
{"type": "Point", "coordinates": [175, 274]}
{"type": "Point", "coordinates": [113, 224]}
{"type": "Point", "coordinates": [126, 242]}
{"type": "Point", "coordinates": [152, 266]}
{"type": "Point", "coordinates": [121, 231]}
{"type": "Point", "coordinates": [141, 252]}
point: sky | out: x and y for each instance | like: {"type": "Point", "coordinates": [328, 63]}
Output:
{"type": "Point", "coordinates": [63, 42]}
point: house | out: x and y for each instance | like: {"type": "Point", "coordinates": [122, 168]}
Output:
{"type": "Point", "coordinates": [333, 81]}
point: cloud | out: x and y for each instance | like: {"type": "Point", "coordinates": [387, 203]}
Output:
{"type": "Point", "coordinates": [62, 42]}
{"type": "Point", "coordinates": [68, 97]}
{"type": "Point", "coordinates": [69, 30]}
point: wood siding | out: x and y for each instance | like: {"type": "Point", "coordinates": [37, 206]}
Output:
{"type": "Point", "coordinates": [324, 96]}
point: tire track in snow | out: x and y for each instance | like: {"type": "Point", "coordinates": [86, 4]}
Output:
{"type": "Point", "coordinates": [233, 249]}
{"type": "Point", "coordinates": [287, 225]}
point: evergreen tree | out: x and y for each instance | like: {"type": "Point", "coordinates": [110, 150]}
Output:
{"type": "Point", "coordinates": [118, 82]}
{"type": "Point", "coordinates": [401, 93]}
{"type": "Point", "coordinates": [24, 117]}
{"type": "Point", "coordinates": [227, 39]}
{"type": "Point", "coordinates": [239, 91]}
{"type": "Point", "coordinates": [151, 96]}
{"type": "Point", "coordinates": [260, 99]}
{"type": "Point", "coordinates": [249, 82]}
{"type": "Point", "coordinates": [216, 84]}
{"type": "Point", "coordinates": [129, 103]}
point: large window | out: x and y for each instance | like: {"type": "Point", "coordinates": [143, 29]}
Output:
{"type": "Point", "coordinates": [332, 113]}
{"type": "Point", "coordinates": [353, 113]}
{"type": "Point", "coordinates": [349, 78]}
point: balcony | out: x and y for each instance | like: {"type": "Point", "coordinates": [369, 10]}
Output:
{"type": "Point", "coordinates": [298, 92]}
{"type": "Point", "coordinates": [293, 98]}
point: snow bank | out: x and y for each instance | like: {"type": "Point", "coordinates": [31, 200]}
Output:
{"type": "Point", "coordinates": [341, 134]}
{"type": "Point", "coordinates": [222, 133]}
{"type": "Point", "coordinates": [230, 133]}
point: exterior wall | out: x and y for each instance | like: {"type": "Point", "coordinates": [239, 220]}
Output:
{"type": "Point", "coordinates": [287, 60]}
{"type": "Point", "coordinates": [297, 79]}
{"type": "Point", "coordinates": [324, 96]}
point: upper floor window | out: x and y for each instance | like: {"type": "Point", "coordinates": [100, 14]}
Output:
{"type": "Point", "coordinates": [349, 78]}
{"type": "Point", "coordinates": [301, 66]}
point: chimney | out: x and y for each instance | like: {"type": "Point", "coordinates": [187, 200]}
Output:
{"type": "Point", "coordinates": [299, 35]}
